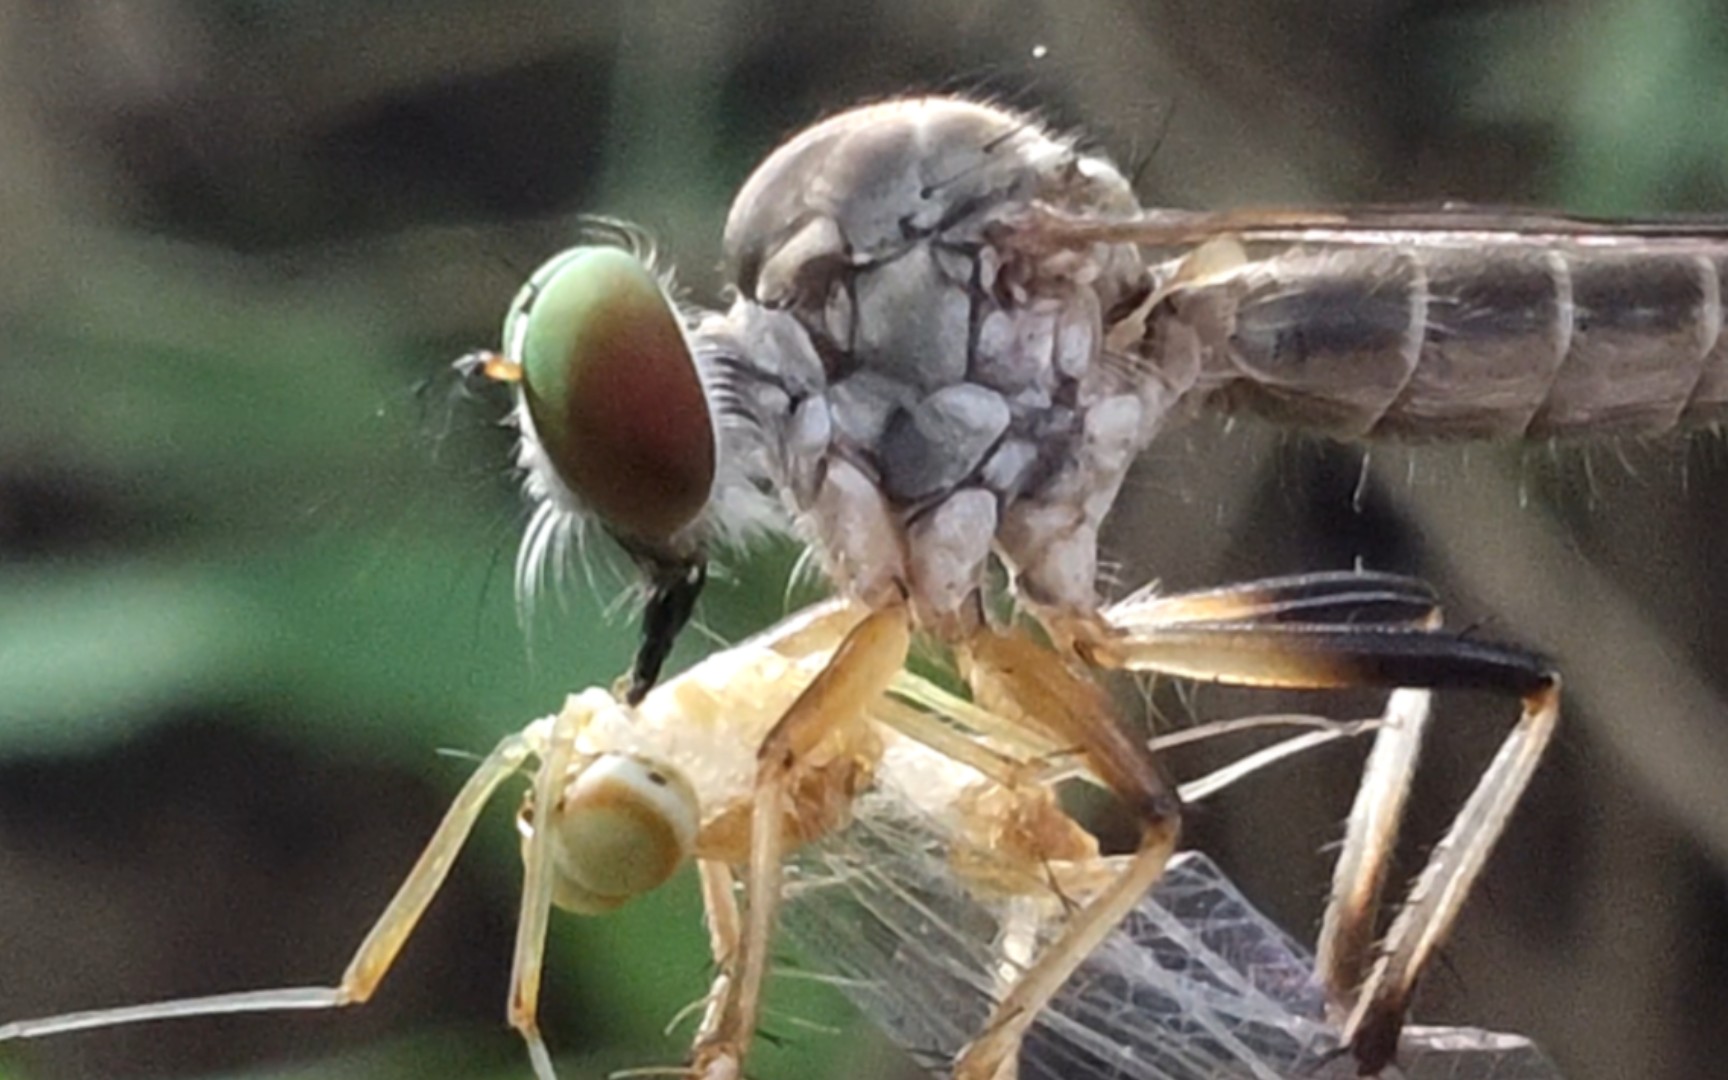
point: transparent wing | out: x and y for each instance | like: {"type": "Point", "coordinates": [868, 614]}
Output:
{"type": "Point", "coordinates": [1197, 985]}
{"type": "Point", "coordinates": [1457, 224]}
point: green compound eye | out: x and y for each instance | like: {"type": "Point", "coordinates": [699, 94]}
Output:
{"type": "Point", "coordinates": [612, 390]}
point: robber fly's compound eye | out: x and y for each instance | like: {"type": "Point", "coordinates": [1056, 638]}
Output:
{"type": "Point", "coordinates": [624, 825]}
{"type": "Point", "coordinates": [612, 391]}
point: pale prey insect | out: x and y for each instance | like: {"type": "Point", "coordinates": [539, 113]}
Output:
{"type": "Point", "coordinates": [772, 744]}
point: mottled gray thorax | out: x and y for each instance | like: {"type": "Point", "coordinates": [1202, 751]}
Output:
{"type": "Point", "coordinates": [921, 393]}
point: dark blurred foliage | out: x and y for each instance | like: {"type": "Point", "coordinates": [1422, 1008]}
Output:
{"type": "Point", "coordinates": [255, 542]}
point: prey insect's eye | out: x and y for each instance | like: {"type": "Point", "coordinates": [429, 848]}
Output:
{"type": "Point", "coordinates": [613, 392]}
{"type": "Point", "coordinates": [624, 825]}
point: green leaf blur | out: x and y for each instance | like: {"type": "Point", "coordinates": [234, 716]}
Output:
{"type": "Point", "coordinates": [256, 544]}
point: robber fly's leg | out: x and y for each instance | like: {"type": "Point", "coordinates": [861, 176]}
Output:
{"type": "Point", "coordinates": [1033, 685]}
{"type": "Point", "coordinates": [861, 670]}
{"type": "Point", "coordinates": [1362, 600]}
{"type": "Point", "coordinates": [376, 953]}
{"type": "Point", "coordinates": [1327, 598]}
{"type": "Point", "coordinates": [1453, 867]}
{"type": "Point", "coordinates": [994, 1052]}
{"type": "Point", "coordinates": [1298, 656]}
{"type": "Point", "coordinates": [1346, 941]}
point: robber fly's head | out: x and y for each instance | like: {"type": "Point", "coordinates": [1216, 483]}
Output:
{"type": "Point", "coordinates": [616, 428]}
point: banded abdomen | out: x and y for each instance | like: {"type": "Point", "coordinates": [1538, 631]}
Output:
{"type": "Point", "coordinates": [1435, 334]}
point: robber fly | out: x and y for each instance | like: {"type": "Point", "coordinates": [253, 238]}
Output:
{"type": "Point", "coordinates": [951, 333]}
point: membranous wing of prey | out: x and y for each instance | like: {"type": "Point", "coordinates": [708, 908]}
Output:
{"type": "Point", "coordinates": [1195, 985]}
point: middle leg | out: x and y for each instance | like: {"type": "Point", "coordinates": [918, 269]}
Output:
{"type": "Point", "coordinates": [1033, 685]}
{"type": "Point", "coordinates": [860, 671]}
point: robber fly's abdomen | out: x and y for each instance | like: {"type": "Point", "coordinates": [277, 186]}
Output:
{"type": "Point", "coordinates": [1426, 340]}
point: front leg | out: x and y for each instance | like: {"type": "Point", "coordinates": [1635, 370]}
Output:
{"type": "Point", "coordinates": [720, 911]}
{"type": "Point", "coordinates": [860, 671]}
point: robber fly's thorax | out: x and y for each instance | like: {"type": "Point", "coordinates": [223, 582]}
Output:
{"type": "Point", "coordinates": [925, 394]}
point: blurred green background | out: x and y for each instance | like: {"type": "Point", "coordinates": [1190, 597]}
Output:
{"type": "Point", "coordinates": [255, 543]}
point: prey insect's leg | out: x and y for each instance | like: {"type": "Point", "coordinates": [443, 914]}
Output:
{"type": "Point", "coordinates": [861, 670]}
{"type": "Point", "coordinates": [1034, 685]}
{"type": "Point", "coordinates": [376, 953]}
{"type": "Point", "coordinates": [1299, 656]}
{"type": "Point", "coordinates": [1403, 704]}
{"type": "Point", "coordinates": [720, 908]}
{"type": "Point", "coordinates": [537, 881]}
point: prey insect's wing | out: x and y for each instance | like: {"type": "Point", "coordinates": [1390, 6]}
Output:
{"type": "Point", "coordinates": [1195, 985]}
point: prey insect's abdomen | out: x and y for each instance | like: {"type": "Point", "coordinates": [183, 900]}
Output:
{"type": "Point", "coordinates": [1441, 338]}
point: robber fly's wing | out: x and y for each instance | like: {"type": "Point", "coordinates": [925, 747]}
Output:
{"type": "Point", "coordinates": [1444, 322]}
{"type": "Point", "coordinates": [1444, 224]}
